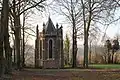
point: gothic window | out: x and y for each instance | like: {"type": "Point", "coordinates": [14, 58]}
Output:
{"type": "Point", "coordinates": [50, 48]}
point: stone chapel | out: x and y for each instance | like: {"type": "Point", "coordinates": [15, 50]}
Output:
{"type": "Point", "coordinates": [49, 46]}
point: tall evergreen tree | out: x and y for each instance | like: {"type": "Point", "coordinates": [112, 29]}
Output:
{"type": "Point", "coordinates": [66, 49]}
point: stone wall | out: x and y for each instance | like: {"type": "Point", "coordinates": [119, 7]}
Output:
{"type": "Point", "coordinates": [51, 64]}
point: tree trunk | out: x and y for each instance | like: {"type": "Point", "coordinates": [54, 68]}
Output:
{"type": "Point", "coordinates": [75, 48]}
{"type": "Point", "coordinates": [90, 54]}
{"type": "Point", "coordinates": [86, 31]}
{"type": "Point", "coordinates": [17, 41]}
{"type": "Point", "coordinates": [116, 59]}
{"type": "Point", "coordinates": [1, 43]}
{"type": "Point", "coordinates": [4, 36]}
{"type": "Point", "coordinates": [6, 41]}
{"type": "Point", "coordinates": [1, 59]}
{"type": "Point", "coordinates": [85, 36]}
{"type": "Point", "coordinates": [85, 50]}
{"type": "Point", "coordinates": [7, 50]}
{"type": "Point", "coordinates": [17, 32]}
{"type": "Point", "coordinates": [73, 52]}
{"type": "Point", "coordinates": [23, 51]}
{"type": "Point", "coordinates": [113, 56]}
{"type": "Point", "coordinates": [74, 37]}
{"type": "Point", "coordinates": [74, 45]}
{"type": "Point", "coordinates": [109, 56]}
{"type": "Point", "coordinates": [14, 53]}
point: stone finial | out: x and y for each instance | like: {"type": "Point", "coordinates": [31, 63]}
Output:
{"type": "Point", "coordinates": [43, 28]}
{"type": "Point", "coordinates": [37, 26]}
{"type": "Point", "coordinates": [37, 29]}
{"type": "Point", "coordinates": [43, 25]}
{"type": "Point", "coordinates": [61, 27]}
{"type": "Point", "coordinates": [57, 25]}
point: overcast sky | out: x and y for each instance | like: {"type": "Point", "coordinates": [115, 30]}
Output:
{"type": "Point", "coordinates": [112, 30]}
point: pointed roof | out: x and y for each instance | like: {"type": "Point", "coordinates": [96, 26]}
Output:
{"type": "Point", "coordinates": [49, 26]}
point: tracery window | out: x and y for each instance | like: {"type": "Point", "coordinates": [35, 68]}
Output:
{"type": "Point", "coordinates": [50, 48]}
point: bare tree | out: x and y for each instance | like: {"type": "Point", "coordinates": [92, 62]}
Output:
{"type": "Point", "coordinates": [93, 13]}
{"type": "Point", "coordinates": [29, 58]}
{"type": "Point", "coordinates": [17, 8]}
{"type": "Point", "coordinates": [94, 36]}
{"type": "Point", "coordinates": [70, 10]}
{"type": "Point", "coordinates": [4, 40]}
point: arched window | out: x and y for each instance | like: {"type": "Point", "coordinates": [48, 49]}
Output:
{"type": "Point", "coordinates": [50, 48]}
{"type": "Point", "coordinates": [41, 45]}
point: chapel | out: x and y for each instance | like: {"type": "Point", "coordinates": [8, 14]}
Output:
{"type": "Point", "coordinates": [49, 46]}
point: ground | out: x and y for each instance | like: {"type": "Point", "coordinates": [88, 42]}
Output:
{"type": "Point", "coordinates": [67, 74]}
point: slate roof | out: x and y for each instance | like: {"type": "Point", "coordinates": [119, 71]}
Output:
{"type": "Point", "coordinates": [50, 28]}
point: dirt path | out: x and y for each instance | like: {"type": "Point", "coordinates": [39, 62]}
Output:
{"type": "Point", "coordinates": [61, 74]}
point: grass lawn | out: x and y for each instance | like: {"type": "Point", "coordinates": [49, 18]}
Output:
{"type": "Point", "coordinates": [105, 66]}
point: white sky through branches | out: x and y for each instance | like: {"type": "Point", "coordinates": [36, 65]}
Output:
{"type": "Point", "coordinates": [37, 19]}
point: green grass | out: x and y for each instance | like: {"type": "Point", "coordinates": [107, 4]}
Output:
{"type": "Point", "coordinates": [105, 66]}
